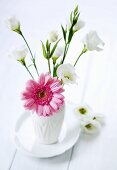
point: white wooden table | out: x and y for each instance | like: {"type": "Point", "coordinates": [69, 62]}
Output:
{"type": "Point", "coordinates": [97, 83]}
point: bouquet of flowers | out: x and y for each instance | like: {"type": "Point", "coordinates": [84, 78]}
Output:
{"type": "Point", "coordinates": [44, 96]}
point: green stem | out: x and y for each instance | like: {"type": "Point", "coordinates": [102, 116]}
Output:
{"type": "Point", "coordinates": [36, 68]}
{"type": "Point", "coordinates": [49, 65]}
{"type": "Point", "coordinates": [83, 51]}
{"type": "Point", "coordinates": [54, 73]}
{"type": "Point", "coordinates": [29, 71]}
{"type": "Point", "coordinates": [65, 52]}
{"type": "Point", "coordinates": [33, 59]}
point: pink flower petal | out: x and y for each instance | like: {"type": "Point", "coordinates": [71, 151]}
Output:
{"type": "Point", "coordinates": [46, 110]}
{"type": "Point", "coordinates": [60, 90]}
{"type": "Point", "coordinates": [42, 79]}
{"type": "Point", "coordinates": [31, 84]}
{"type": "Point", "coordinates": [54, 89]}
{"type": "Point", "coordinates": [25, 95]}
{"type": "Point", "coordinates": [29, 103]}
{"type": "Point", "coordinates": [47, 77]}
{"type": "Point", "coordinates": [55, 84]}
{"type": "Point", "coordinates": [60, 96]}
{"type": "Point", "coordinates": [54, 105]}
{"type": "Point", "coordinates": [57, 90]}
{"type": "Point", "coordinates": [40, 110]}
{"type": "Point", "coordinates": [56, 100]}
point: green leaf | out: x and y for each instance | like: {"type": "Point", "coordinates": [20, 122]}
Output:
{"type": "Point", "coordinates": [75, 19]}
{"type": "Point", "coordinates": [54, 48]}
{"type": "Point", "coordinates": [54, 58]}
{"type": "Point", "coordinates": [44, 50]}
{"type": "Point", "coordinates": [48, 45]}
{"type": "Point", "coordinates": [70, 34]}
{"type": "Point", "coordinates": [76, 10]}
{"type": "Point", "coordinates": [64, 32]}
{"type": "Point", "coordinates": [30, 65]}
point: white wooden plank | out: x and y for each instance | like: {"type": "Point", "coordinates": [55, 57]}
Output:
{"type": "Point", "coordinates": [98, 152]}
{"type": "Point", "coordinates": [8, 112]}
{"type": "Point", "coordinates": [22, 162]}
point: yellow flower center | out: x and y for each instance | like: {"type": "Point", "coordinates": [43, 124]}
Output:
{"type": "Point", "coordinates": [88, 126]}
{"type": "Point", "coordinates": [41, 94]}
{"type": "Point", "coordinates": [82, 110]}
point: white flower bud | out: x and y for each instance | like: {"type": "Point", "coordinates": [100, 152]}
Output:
{"type": "Point", "coordinates": [53, 36]}
{"type": "Point", "coordinates": [13, 24]}
{"type": "Point", "coordinates": [79, 25]}
{"type": "Point", "coordinates": [59, 51]}
{"type": "Point", "coordinates": [19, 53]}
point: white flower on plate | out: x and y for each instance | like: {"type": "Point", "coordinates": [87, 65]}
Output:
{"type": "Point", "coordinates": [93, 42]}
{"type": "Point", "coordinates": [53, 36]}
{"type": "Point", "coordinates": [79, 25]}
{"type": "Point", "coordinates": [19, 53]}
{"type": "Point", "coordinates": [66, 73]}
{"type": "Point", "coordinates": [13, 24]}
{"type": "Point", "coordinates": [83, 111]}
{"type": "Point", "coordinates": [98, 117]}
{"type": "Point", "coordinates": [90, 126]}
{"type": "Point", "coordinates": [59, 51]}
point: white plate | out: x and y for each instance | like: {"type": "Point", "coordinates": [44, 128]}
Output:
{"type": "Point", "coordinates": [26, 141]}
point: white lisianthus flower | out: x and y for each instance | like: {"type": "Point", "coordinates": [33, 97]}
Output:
{"type": "Point", "coordinates": [53, 36]}
{"type": "Point", "coordinates": [19, 53]}
{"type": "Point", "coordinates": [59, 51]}
{"type": "Point", "coordinates": [90, 126]}
{"type": "Point", "coordinates": [79, 25]}
{"type": "Point", "coordinates": [83, 111]}
{"type": "Point", "coordinates": [93, 42]}
{"type": "Point", "coordinates": [66, 73]}
{"type": "Point", "coordinates": [13, 24]}
{"type": "Point", "coordinates": [98, 117]}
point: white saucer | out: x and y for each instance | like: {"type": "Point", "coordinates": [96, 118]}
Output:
{"type": "Point", "coordinates": [26, 141]}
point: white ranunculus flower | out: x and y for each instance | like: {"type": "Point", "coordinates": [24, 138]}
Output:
{"type": "Point", "coordinates": [83, 111]}
{"type": "Point", "coordinates": [93, 42]}
{"type": "Point", "coordinates": [90, 126]}
{"type": "Point", "coordinates": [19, 53]}
{"type": "Point", "coordinates": [13, 24]}
{"type": "Point", "coordinates": [98, 117]}
{"type": "Point", "coordinates": [66, 72]}
{"type": "Point", "coordinates": [59, 51]}
{"type": "Point", "coordinates": [79, 25]}
{"type": "Point", "coordinates": [53, 36]}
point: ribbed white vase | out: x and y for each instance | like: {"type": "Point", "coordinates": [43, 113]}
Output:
{"type": "Point", "coordinates": [47, 129]}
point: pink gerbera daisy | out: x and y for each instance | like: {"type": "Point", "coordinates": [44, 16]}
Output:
{"type": "Point", "coordinates": [43, 97]}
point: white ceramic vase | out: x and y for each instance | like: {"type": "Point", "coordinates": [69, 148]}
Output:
{"type": "Point", "coordinates": [47, 129]}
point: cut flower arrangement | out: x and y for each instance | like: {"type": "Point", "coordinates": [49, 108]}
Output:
{"type": "Point", "coordinates": [43, 97]}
